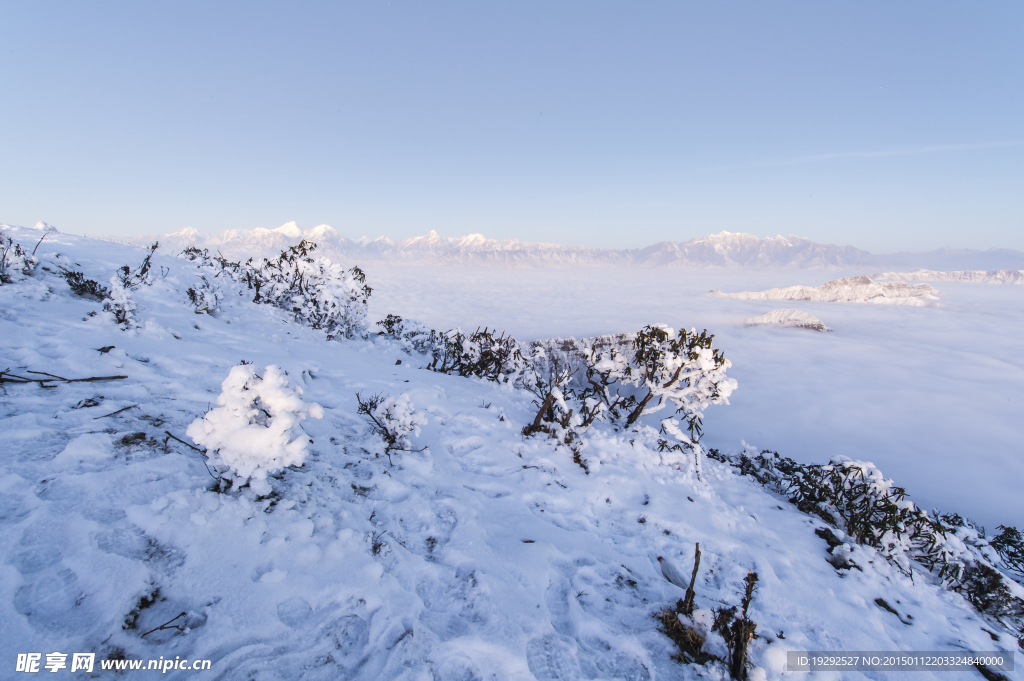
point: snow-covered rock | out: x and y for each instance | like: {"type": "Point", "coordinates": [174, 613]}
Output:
{"type": "Point", "coordinates": [847, 290]}
{"type": "Point", "coordinates": [794, 318]}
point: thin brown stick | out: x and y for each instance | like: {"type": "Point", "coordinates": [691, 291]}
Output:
{"type": "Point", "coordinates": [18, 379]}
{"type": "Point", "coordinates": [688, 600]}
{"type": "Point", "coordinates": [43, 373]}
{"type": "Point", "coordinates": [114, 413]}
{"type": "Point", "coordinates": [168, 433]}
{"type": "Point", "coordinates": [45, 234]}
{"type": "Point", "coordinates": [164, 625]}
{"type": "Point", "coordinates": [201, 451]}
{"type": "Point", "coordinates": [5, 377]}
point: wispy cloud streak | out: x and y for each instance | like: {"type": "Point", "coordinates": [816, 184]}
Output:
{"type": "Point", "coordinates": [906, 151]}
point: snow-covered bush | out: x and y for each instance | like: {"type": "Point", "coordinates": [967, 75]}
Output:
{"type": "Point", "coordinates": [577, 383]}
{"type": "Point", "coordinates": [118, 300]}
{"type": "Point", "coordinates": [856, 497]}
{"type": "Point", "coordinates": [131, 280]}
{"type": "Point", "coordinates": [15, 263]}
{"type": "Point", "coordinates": [622, 377]}
{"type": "Point", "coordinates": [394, 419]}
{"type": "Point", "coordinates": [1009, 544]}
{"type": "Point", "coordinates": [256, 429]}
{"type": "Point", "coordinates": [547, 376]}
{"type": "Point", "coordinates": [412, 336]}
{"type": "Point", "coordinates": [203, 296]}
{"type": "Point", "coordinates": [320, 293]}
{"type": "Point", "coordinates": [480, 353]}
{"type": "Point", "coordinates": [80, 286]}
{"type": "Point", "coordinates": [679, 368]}
{"type": "Point", "coordinates": [206, 295]}
{"type": "Point", "coordinates": [218, 263]}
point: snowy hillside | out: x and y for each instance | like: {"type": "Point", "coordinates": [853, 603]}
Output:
{"type": "Point", "coordinates": [847, 290]}
{"type": "Point", "coordinates": [468, 551]}
{"type": "Point", "coordinates": [724, 250]}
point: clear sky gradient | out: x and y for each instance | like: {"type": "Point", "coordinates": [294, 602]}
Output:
{"type": "Point", "coordinates": [889, 126]}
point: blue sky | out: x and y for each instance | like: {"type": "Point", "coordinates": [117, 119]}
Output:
{"type": "Point", "coordinates": [889, 126]}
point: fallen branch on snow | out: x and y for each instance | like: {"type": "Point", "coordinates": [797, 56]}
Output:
{"type": "Point", "coordinates": [7, 377]}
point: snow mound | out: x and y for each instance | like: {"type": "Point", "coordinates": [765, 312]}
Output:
{"type": "Point", "coordinates": [794, 318]}
{"type": "Point", "coordinates": [847, 290]}
{"type": "Point", "coordinates": [256, 430]}
{"type": "Point", "coordinates": [968, 276]}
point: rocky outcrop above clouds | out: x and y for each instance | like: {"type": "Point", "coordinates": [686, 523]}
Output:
{"type": "Point", "coordinates": [968, 276]}
{"type": "Point", "coordinates": [847, 290]}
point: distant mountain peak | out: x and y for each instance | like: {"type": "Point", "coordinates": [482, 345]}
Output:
{"type": "Point", "coordinates": [724, 250]}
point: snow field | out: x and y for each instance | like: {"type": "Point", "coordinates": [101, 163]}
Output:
{"type": "Point", "coordinates": [495, 556]}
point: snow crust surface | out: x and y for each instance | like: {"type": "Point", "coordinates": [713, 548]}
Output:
{"type": "Point", "coordinates": [485, 555]}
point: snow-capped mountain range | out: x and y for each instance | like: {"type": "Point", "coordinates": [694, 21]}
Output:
{"type": "Point", "coordinates": [724, 250]}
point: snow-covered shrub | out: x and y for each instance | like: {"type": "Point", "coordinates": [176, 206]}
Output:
{"type": "Point", "coordinates": [679, 368]}
{"type": "Point", "coordinates": [394, 419]}
{"type": "Point", "coordinates": [86, 288]}
{"type": "Point", "coordinates": [577, 383]}
{"type": "Point", "coordinates": [480, 353]}
{"type": "Point", "coordinates": [1009, 544]}
{"type": "Point", "coordinates": [547, 377]}
{"type": "Point", "coordinates": [206, 295]}
{"type": "Point", "coordinates": [412, 336]}
{"type": "Point", "coordinates": [218, 263]}
{"type": "Point", "coordinates": [15, 263]}
{"type": "Point", "coordinates": [731, 628]}
{"type": "Point", "coordinates": [622, 377]}
{"type": "Point", "coordinates": [132, 280]}
{"type": "Point", "coordinates": [119, 302]}
{"type": "Point", "coordinates": [857, 498]}
{"type": "Point", "coordinates": [203, 296]}
{"type": "Point", "coordinates": [256, 429]}
{"type": "Point", "coordinates": [320, 293]}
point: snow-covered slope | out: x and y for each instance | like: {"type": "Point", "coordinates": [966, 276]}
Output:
{"type": "Point", "coordinates": [485, 555]}
{"type": "Point", "coordinates": [849, 289]}
{"type": "Point", "coordinates": [794, 318]}
{"type": "Point", "coordinates": [968, 276]}
{"type": "Point", "coordinates": [724, 250]}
